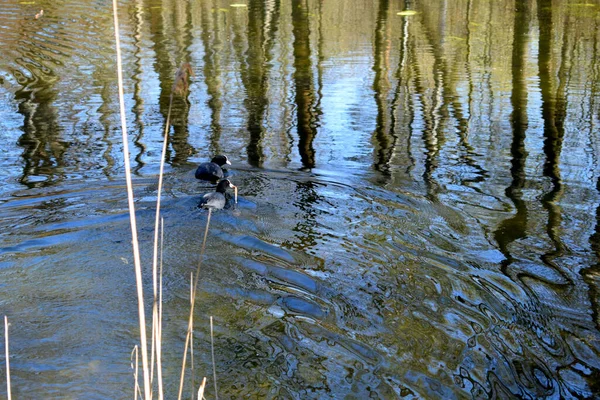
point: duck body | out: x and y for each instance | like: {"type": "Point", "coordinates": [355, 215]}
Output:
{"type": "Point", "coordinates": [216, 200]}
{"type": "Point", "coordinates": [212, 171]}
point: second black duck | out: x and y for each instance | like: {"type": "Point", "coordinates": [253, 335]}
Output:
{"type": "Point", "coordinates": [213, 170]}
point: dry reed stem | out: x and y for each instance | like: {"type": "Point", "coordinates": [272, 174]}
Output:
{"type": "Point", "coordinates": [153, 344]}
{"type": "Point", "coordinates": [212, 350]}
{"type": "Point", "coordinates": [192, 302]}
{"type": "Point", "coordinates": [156, 226]}
{"type": "Point", "coordinates": [135, 373]}
{"type": "Point", "coordinates": [7, 359]}
{"type": "Point", "coordinates": [188, 337]}
{"type": "Point", "coordinates": [135, 243]}
{"type": "Point", "coordinates": [159, 324]}
{"type": "Point", "coordinates": [158, 197]}
{"type": "Point", "coordinates": [201, 389]}
{"type": "Point", "coordinates": [180, 86]}
{"type": "Point", "coordinates": [192, 380]}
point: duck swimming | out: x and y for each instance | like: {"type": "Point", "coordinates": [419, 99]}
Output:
{"type": "Point", "coordinates": [216, 200]}
{"type": "Point", "coordinates": [212, 171]}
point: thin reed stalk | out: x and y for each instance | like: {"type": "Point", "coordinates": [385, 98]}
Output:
{"type": "Point", "coordinates": [192, 303]}
{"type": "Point", "coordinates": [7, 358]}
{"type": "Point", "coordinates": [153, 344]}
{"type": "Point", "coordinates": [192, 380]}
{"type": "Point", "coordinates": [135, 243]}
{"type": "Point", "coordinates": [159, 324]}
{"type": "Point", "coordinates": [135, 367]}
{"type": "Point", "coordinates": [212, 350]}
{"type": "Point", "coordinates": [201, 389]}
{"type": "Point", "coordinates": [187, 338]}
{"type": "Point", "coordinates": [180, 86]}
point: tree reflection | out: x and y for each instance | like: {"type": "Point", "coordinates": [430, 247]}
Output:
{"type": "Point", "coordinates": [211, 40]}
{"type": "Point", "coordinates": [41, 140]}
{"type": "Point", "coordinates": [445, 105]}
{"type": "Point", "coordinates": [384, 125]}
{"type": "Point", "coordinates": [591, 275]}
{"type": "Point", "coordinates": [168, 58]}
{"type": "Point", "coordinates": [255, 68]}
{"type": "Point", "coordinates": [306, 229]}
{"type": "Point", "coordinates": [106, 120]}
{"type": "Point", "coordinates": [138, 107]}
{"type": "Point", "coordinates": [306, 112]}
{"type": "Point", "coordinates": [553, 114]}
{"type": "Point", "coordinates": [515, 227]}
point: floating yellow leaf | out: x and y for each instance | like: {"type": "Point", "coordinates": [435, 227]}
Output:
{"type": "Point", "coordinates": [407, 13]}
{"type": "Point", "coordinates": [238, 5]}
{"type": "Point", "coordinates": [27, 2]}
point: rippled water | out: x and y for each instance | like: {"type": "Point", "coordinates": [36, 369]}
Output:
{"type": "Point", "coordinates": [419, 196]}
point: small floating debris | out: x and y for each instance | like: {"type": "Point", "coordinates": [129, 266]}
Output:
{"type": "Point", "coordinates": [238, 5]}
{"type": "Point", "coordinates": [407, 13]}
{"type": "Point", "coordinates": [40, 14]}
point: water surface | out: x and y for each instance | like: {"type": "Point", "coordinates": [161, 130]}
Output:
{"type": "Point", "coordinates": [419, 210]}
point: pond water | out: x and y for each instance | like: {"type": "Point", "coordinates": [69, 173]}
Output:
{"type": "Point", "coordinates": [419, 211]}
